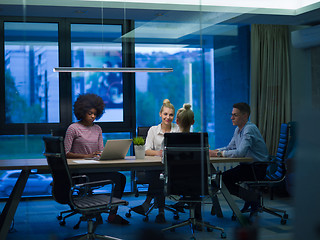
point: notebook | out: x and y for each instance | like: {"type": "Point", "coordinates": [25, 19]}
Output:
{"type": "Point", "coordinates": [115, 149]}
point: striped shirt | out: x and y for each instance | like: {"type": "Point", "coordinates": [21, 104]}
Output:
{"type": "Point", "coordinates": [83, 139]}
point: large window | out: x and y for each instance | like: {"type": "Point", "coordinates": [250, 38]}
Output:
{"type": "Point", "coordinates": [31, 87]}
{"type": "Point", "coordinates": [211, 73]}
{"type": "Point", "coordinates": [100, 48]}
{"type": "Point", "coordinates": [37, 101]}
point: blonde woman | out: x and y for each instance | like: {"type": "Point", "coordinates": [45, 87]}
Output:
{"type": "Point", "coordinates": [154, 148]}
{"type": "Point", "coordinates": [185, 118]}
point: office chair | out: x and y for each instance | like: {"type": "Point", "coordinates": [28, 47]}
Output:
{"type": "Point", "coordinates": [276, 171]}
{"type": "Point", "coordinates": [61, 132]}
{"type": "Point", "coordinates": [140, 178]}
{"type": "Point", "coordinates": [188, 174]}
{"type": "Point", "coordinates": [65, 191]}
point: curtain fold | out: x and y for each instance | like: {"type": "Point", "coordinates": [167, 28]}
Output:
{"type": "Point", "coordinates": [270, 81]}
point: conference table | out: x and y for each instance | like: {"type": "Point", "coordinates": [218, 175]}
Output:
{"type": "Point", "coordinates": [29, 166]}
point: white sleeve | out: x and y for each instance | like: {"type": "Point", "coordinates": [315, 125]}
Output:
{"type": "Point", "coordinates": [150, 139]}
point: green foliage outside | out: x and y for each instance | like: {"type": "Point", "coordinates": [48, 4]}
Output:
{"type": "Point", "coordinates": [175, 87]}
{"type": "Point", "coordinates": [17, 108]}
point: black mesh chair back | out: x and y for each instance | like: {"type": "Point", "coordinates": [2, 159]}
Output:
{"type": "Point", "coordinates": [188, 175]}
{"type": "Point", "coordinates": [84, 202]}
{"type": "Point", "coordinates": [142, 132]}
{"type": "Point", "coordinates": [59, 132]}
{"type": "Point", "coordinates": [140, 176]}
{"type": "Point", "coordinates": [141, 181]}
{"type": "Point", "coordinates": [186, 157]}
{"type": "Point", "coordinates": [56, 158]}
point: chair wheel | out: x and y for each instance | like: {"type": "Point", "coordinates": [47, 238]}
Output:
{"type": "Point", "coordinates": [62, 223]}
{"type": "Point", "coordinates": [223, 235]}
{"type": "Point", "coordinates": [285, 216]}
{"type": "Point", "coordinates": [209, 229]}
{"type": "Point", "coordinates": [145, 219]}
{"type": "Point", "coordinates": [128, 214]}
{"type": "Point", "coordinates": [136, 195]}
{"type": "Point", "coordinates": [59, 217]}
{"type": "Point", "coordinates": [233, 218]}
{"type": "Point", "coordinates": [283, 221]}
{"type": "Point", "coordinates": [176, 217]}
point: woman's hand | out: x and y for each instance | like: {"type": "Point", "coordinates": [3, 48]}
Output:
{"type": "Point", "coordinates": [94, 155]}
{"type": "Point", "coordinates": [159, 153]}
{"type": "Point", "coordinates": [153, 153]}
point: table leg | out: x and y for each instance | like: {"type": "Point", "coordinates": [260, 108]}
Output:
{"type": "Point", "coordinates": [10, 208]}
{"type": "Point", "coordinates": [243, 220]}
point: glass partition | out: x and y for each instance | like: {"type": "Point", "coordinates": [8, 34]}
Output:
{"type": "Point", "coordinates": [94, 45]}
{"type": "Point", "coordinates": [31, 52]}
{"type": "Point", "coordinates": [211, 72]}
{"type": "Point", "coordinates": [32, 147]}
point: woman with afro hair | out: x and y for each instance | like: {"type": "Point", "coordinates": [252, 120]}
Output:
{"type": "Point", "coordinates": [83, 139]}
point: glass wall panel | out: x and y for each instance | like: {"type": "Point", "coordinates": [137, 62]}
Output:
{"type": "Point", "coordinates": [211, 73]}
{"type": "Point", "coordinates": [98, 46]}
{"type": "Point", "coordinates": [31, 52]}
{"type": "Point", "coordinates": [32, 147]}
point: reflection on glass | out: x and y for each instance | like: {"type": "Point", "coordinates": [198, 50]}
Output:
{"type": "Point", "coordinates": [31, 51]}
{"type": "Point", "coordinates": [179, 86]}
{"type": "Point", "coordinates": [211, 73]}
{"type": "Point", "coordinates": [31, 147]}
{"type": "Point", "coordinates": [99, 48]}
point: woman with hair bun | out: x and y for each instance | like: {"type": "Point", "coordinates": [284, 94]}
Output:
{"type": "Point", "coordinates": [185, 118]}
{"type": "Point", "coordinates": [154, 148]}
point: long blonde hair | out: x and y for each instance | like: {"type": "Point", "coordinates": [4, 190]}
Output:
{"type": "Point", "coordinates": [185, 116]}
{"type": "Point", "coordinates": [168, 104]}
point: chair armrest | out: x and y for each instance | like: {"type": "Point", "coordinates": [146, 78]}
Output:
{"type": "Point", "coordinates": [81, 176]}
{"type": "Point", "coordinates": [88, 185]}
{"type": "Point", "coordinates": [253, 164]}
{"type": "Point", "coordinates": [215, 182]}
{"type": "Point", "coordinates": [268, 164]}
{"type": "Point", "coordinates": [262, 162]}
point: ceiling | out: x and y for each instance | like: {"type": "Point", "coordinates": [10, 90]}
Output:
{"type": "Point", "coordinates": [309, 15]}
{"type": "Point", "coordinates": [174, 22]}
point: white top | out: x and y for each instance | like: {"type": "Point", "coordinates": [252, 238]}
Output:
{"type": "Point", "coordinates": [155, 137]}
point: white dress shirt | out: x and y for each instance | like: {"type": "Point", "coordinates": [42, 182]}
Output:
{"type": "Point", "coordinates": [155, 137]}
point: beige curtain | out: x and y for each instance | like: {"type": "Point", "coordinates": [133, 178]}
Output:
{"type": "Point", "coordinates": [270, 81]}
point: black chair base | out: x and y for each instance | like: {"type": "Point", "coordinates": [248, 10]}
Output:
{"type": "Point", "coordinates": [153, 206]}
{"type": "Point", "coordinates": [63, 219]}
{"type": "Point", "coordinates": [273, 211]}
{"type": "Point", "coordinates": [92, 225]}
{"type": "Point", "coordinates": [193, 222]}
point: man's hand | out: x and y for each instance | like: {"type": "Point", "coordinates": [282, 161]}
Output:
{"type": "Point", "coordinates": [213, 153]}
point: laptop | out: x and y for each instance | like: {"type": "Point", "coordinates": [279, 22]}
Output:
{"type": "Point", "coordinates": [115, 149]}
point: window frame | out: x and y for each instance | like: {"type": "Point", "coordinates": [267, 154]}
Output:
{"type": "Point", "coordinates": [65, 80]}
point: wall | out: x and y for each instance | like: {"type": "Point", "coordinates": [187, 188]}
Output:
{"type": "Point", "coordinates": [305, 79]}
{"type": "Point", "coordinates": [305, 75]}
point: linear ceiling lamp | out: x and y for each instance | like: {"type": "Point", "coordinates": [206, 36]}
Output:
{"type": "Point", "coordinates": [121, 69]}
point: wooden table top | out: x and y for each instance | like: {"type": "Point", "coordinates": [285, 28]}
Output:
{"type": "Point", "coordinates": [128, 162]}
